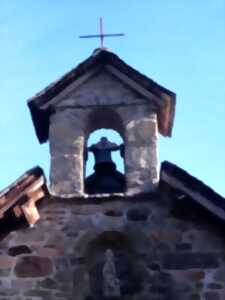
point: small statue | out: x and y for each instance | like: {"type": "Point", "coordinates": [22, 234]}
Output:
{"type": "Point", "coordinates": [102, 150]}
{"type": "Point", "coordinates": [111, 283]}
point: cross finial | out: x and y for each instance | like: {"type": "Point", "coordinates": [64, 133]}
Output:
{"type": "Point", "coordinates": [102, 35]}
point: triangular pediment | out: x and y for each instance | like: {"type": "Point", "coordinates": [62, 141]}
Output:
{"type": "Point", "coordinates": [103, 87]}
{"type": "Point", "coordinates": [126, 80]}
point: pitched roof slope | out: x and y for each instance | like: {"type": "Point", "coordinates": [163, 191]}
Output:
{"type": "Point", "coordinates": [193, 187]}
{"type": "Point", "coordinates": [100, 57]}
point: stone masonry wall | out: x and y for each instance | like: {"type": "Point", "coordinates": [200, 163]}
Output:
{"type": "Point", "coordinates": [103, 102]}
{"type": "Point", "coordinates": [158, 256]}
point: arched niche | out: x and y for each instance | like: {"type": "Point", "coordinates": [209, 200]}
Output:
{"type": "Point", "coordinates": [128, 271]}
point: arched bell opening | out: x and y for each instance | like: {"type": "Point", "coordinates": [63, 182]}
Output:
{"type": "Point", "coordinates": [104, 153]}
{"type": "Point", "coordinates": [114, 137]}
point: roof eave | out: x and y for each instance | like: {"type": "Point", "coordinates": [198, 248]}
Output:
{"type": "Point", "coordinates": [40, 120]}
{"type": "Point", "coordinates": [203, 195]}
{"type": "Point", "coordinates": [166, 116]}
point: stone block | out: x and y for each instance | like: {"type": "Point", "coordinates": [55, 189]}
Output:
{"type": "Point", "coordinates": [33, 266]}
{"type": "Point", "coordinates": [5, 272]}
{"type": "Point", "coordinates": [184, 247]}
{"type": "Point", "coordinates": [49, 252]}
{"type": "Point", "coordinates": [64, 277]}
{"type": "Point", "coordinates": [113, 213]}
{"type": "Point", "coordinates": [141, 131]}
{"type": "Point", "coordinates": [220, 274]}
{"type": "Point", "coordinates": [38, 293]}
{"type": "Point", "coordinates": [61, 263]}
{"type": "Point", "coordinates": [215, 286]}
{"type": "Point", "coordinates": [162, 284]}
{"type": "Point", "coordinates": [66, 175]}
{"type": "Point", "coordinates": [138, 157]}
{"type": "Point", "coordinates": [154, 267]}
{"type": "Point", "coordinates": [139, 181]}
{"type": "Point", "coordinates": [212, 296]}
{"type": "Point", "coordinates": [66, 148]}
{"type": "Point", "coordinates": [23, 284]}
{"type": "Point", "coordinates": [18, 250]}
{"type": "Point", "coordinates": [64, 124]}
{"type": "Point", "coordinates": [194, 297]}
{"type": "Point", "coordinates": [48, 283]}
{"type": "Point", "coordinates": [6, 262]}
{"type": "Point", "coordinates": [138, 214]}
{"type": "Point", "coordinates": [193, 276]}
{"type": "Point", "coordinates": [30, 235]}
{"type": "Point", "coordinates": [87, 209]}
{"type": "Point", "coordinates": [8, 292]}
{"type": "Point", "coordinates": [196, 276]}
{"type": "Point", "coordinates": [5, 283]}
{"type": "Point", "coordinates": [55, 239]}
{"type": "Point", "coordinates": [185, 261]}
{"type": "Point", "coordinates": [79, 223]}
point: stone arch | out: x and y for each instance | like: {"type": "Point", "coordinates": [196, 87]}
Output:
{"type": "Point", "coordinates": [115, 240]}
{"type": "Point", "coordinates": [104, 117]}
{"type": "Point", "coordinates": [87, 241]}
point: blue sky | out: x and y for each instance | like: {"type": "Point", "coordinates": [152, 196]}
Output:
{"type": "Point", "coordinates": [178, 43]}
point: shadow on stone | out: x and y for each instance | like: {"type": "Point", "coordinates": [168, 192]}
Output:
{"type": "Point", "coordinates": [18, 250]}
{"type": "Point", "coordinates": [113, 213]}
{"type": "Point", "coordinates": [138, 214]}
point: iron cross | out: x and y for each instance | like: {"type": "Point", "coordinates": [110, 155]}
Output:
{"type": "Point", "coordinates": [102, 35]}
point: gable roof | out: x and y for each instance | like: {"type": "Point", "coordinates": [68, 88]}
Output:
{"type": "Point", "coordinates": [199, 192]}
{"type": "Point", "coordinates": [41, 111]}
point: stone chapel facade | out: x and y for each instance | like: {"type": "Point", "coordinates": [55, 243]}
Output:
{"type": "Point", "coordinates": [161, 238]}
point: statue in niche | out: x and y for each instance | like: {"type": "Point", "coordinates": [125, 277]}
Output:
{"type": "Point", "coordinates": [105, 179]}
{"type": "Point", "coordinates": [111, 283]}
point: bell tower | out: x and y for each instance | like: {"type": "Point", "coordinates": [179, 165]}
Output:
{"type": "Point", "coordinates": [102, 92]}
{"type": "Point", "coordinates": [121, 236]}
